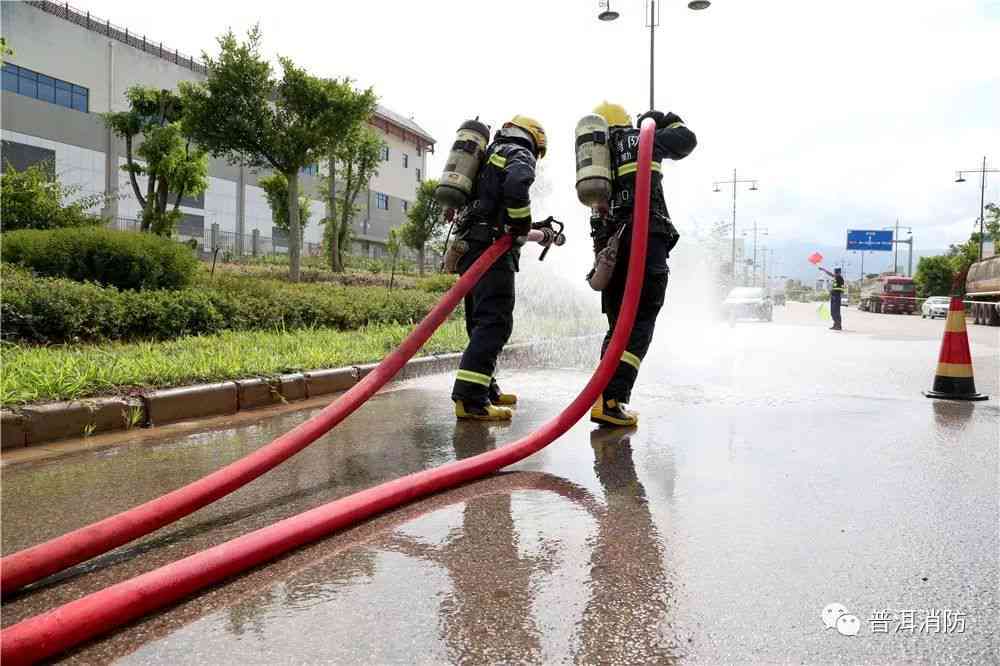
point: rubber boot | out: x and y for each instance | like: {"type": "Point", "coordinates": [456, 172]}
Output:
{"type": "Point", "coordinates": [484, 413]}
{"type": "Point", "coordinates": [611, 413]}
{"type": "Point", "coordinates": [498, 397]}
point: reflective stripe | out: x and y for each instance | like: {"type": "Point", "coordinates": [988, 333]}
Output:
{"type": "Point", "coordinates": [838, 289]}
{"type": "Point", "coordinates": [474, 377]}
{"type": "Point", "coordinates": [955, 322]}
{"type": "Point", "coordinates": [518, 213]}
{"type": "Point", "coordinates": [630, 167]}
{"type": "Point", "coordinates": [498, 160]}
{"type": "Point", "coordinates": [961, 370]}
{"type": "Point", "coordinates": [631, 359]}
{"type": "Point", "coordinates": [673, 125]}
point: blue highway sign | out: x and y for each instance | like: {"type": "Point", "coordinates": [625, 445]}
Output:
{"type": "Point", "coordinates": [864, 239]}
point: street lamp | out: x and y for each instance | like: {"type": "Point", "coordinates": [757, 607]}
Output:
{"type": "Point", "coordinates": [733, 182]}
{"type": "Point", "coordinates": [960, 178]}
{"type": "Point", "coordinates": [652, 21]}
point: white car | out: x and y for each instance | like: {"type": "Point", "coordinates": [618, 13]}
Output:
{"type": "Point", "coordinates": [935, 306]}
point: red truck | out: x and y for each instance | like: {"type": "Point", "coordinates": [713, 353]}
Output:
{"type": "Point", "coordinates": [888, 293]}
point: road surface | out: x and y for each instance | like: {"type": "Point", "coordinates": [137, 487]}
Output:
{"type": "Point", "coordinates": [778, 468]}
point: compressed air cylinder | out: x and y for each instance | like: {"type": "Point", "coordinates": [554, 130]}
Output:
{"type": "Point", "coordinates": [593, 161]}
{"type": "Point", "coordinates": [460, 170]}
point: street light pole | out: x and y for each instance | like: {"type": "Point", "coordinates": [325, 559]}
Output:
{"type": "Point", "coordinates": [609, 14]}
{"type": "Point", "coordinates": [733, 182]}
{"type": "Point", "coordinates": [982, 199]}
{"type": "Point", "coordinates": [652, 60]}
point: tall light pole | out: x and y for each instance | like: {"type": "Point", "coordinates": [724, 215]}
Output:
{"type": "Point", "coordinates": [652, 21]}
{"type": "Point", "coordinates": [734, 182]}
{"type": "Point", "coordinates": [763, 232]}
{"type": "Point", "coordinates": [960, 178]}
{"type": "Point", "coordinates": [896, 243]}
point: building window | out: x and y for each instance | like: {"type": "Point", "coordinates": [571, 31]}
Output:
{"type": "Point", "coordinates": [310, 170]}
{"type": "Point", "coordinates": [381, 201]}
{"type": "Point", "coordinates": [54, 91]}
{"type": "Point", "coordinates": [406, 205]}
{"type": "Point", "coordinates": [383, 153]}
{"type": "Point", "coordinates": [419, 177]}
{"type": "Point", "coordinates": [406, 161]}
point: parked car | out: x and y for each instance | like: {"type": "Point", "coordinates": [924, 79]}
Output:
{"type": "Point", "coordinates": [934, 307]}
{"type": "Point", "coordinates": [748, 302]}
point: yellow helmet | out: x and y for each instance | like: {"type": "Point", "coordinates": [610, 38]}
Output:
{"type": "Point", "coordinates": [615, 114]}
{"type": "Point", "coordinates": [532, 127]}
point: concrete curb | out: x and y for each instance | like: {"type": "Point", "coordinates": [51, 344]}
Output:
{"type": "Point", "coordinates": [38, 424]}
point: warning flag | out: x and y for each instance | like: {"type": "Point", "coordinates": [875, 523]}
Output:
{"type": "Point", "coordinates": [815, 258]}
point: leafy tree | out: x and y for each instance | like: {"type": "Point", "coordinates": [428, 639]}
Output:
{"type": "Point", "coordinates": [169, 161]}
{"type": "Point", "coordinates": [275, 188]}
{"type": "Point", "coordinates": [425, 221]}
{"type": "Point", "coordinates": [4, 49]}
{"type": "Point", "coordinates": [934, 276]}
{"type": "Point", "coordinates": [993, 224]}
{"type": "Point", "coordinates": [35, 199]}
{"type": "Point", "coordinates": [356, 157]}
{"type": "Point", "coordinates": [392, 246]}
{"type": "Point", "coordinates": [962, 255]}
{"type": "Point", "coordinates": [245, 114]}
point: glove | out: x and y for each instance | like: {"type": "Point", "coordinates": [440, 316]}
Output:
{"type": "Point", "coordinates": [662, 120]}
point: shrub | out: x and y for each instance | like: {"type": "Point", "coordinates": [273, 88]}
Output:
{"type": "Point", "coordinates": [437, 283]}
{"type": "Point", "coordinates": [35, 199]}
{"type": "Point", "coordinates": [121, 259]}
{"type": "Point", "coordinates": [57, 310]}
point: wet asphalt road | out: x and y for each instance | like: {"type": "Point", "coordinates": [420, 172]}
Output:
{"type": "Point", "coordinates": [777, 468]}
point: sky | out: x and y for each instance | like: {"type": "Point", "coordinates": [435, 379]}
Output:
{"type": "Point", "coordinates": [850, 114]}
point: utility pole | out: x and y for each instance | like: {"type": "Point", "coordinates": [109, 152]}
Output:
{"type": "Point", "coordinates": [982, 200]}
{"type": "Point", "coordinates": [896, 243]}
{"type": "Point", "coordinates": [733, 182]}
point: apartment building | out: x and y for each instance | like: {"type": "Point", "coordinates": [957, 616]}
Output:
{"type": "Point", "coordinates": [69, 66]}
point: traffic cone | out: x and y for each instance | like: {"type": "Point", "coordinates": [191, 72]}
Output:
{"type": "Point", "coordinates": [953, 380]}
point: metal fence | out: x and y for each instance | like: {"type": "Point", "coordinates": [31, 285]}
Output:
{"type": "Point", "coordinates": [234, 246]}
{"type": "Point", "coordinates": [105, 27]}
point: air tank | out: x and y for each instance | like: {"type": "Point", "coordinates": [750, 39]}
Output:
{"type": "Point", "coordinates": [593, 161]}
{"type": "Point", "coordinates": [463, 163]}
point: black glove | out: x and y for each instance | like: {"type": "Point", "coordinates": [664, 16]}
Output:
{"type": "Point", "coordinates": [662, 120]}
{"type": "Point", "coordinates": [518, 228]}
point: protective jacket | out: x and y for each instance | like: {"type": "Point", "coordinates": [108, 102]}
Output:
{"type": "Point", "coordinates": [673, 141]}
{"type": "Point", "coordinates": [500, 200]}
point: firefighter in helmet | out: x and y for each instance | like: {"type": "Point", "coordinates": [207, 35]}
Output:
{"type": "Point", "coordinates": [673, 141]}
{"type": "Point", "coordinates": [499, 204]}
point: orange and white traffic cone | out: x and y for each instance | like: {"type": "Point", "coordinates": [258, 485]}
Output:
{"type": "Point", "coordinates": [953, 380]}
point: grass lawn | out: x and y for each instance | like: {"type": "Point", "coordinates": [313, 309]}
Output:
{"type": "Point", "coordinates": [33, 374]}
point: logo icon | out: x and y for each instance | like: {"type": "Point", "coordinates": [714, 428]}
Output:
{"type": "Point", "coordinates": [835, 616]}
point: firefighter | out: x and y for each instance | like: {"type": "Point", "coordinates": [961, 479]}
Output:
{"type": "Point", "coordinates": [673, 141]}
{"type": "Point", "coordinates": [499, 204]}
{"type": "Point", "coordinates": [837, 290]}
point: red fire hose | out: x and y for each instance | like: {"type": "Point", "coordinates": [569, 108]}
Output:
{"type": "Point", "coordinates": [37, 562]}
{"type": "Point", "coordinates": [53, 632]}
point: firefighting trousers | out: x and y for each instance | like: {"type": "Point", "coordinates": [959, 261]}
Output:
{"type": "Point", "coordinates": [489, 319]}
{"type": "Point", "coordinates": [654, 289]}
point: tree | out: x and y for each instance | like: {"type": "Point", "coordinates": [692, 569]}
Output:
{"type": "Point", "coordinates": [425, 220]}
{"type": "Point", "coordinates": [35, 199]}
{"type": "Point", "coordinates": [4, 49]}
{"type": "Point", "coordinates": [243, 113]}
{"type": "Point", "coordinates": [392, 246]}
{"type": "Point", "coordinates": [993, 224]}
{"type": "Point", "coordinates": [934, 276]}
{"type": "Point", "coordinates": [275, 189]}
{"type": "Point", "coordinates": [169, 161]}
{"type": "Point", "coordinates": [356, 157]}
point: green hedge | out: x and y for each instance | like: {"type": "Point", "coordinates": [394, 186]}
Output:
{"type": "Point", "coordinates": [116, 258]}
{"type": "Point", "coordinates": [54, 310]}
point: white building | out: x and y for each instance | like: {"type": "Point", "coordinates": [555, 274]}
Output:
{"type": "Point", "coordinates": [69, 66]}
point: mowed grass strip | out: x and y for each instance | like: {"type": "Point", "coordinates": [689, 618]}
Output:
{"type": "Point", "coordinates": [34, 374]}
